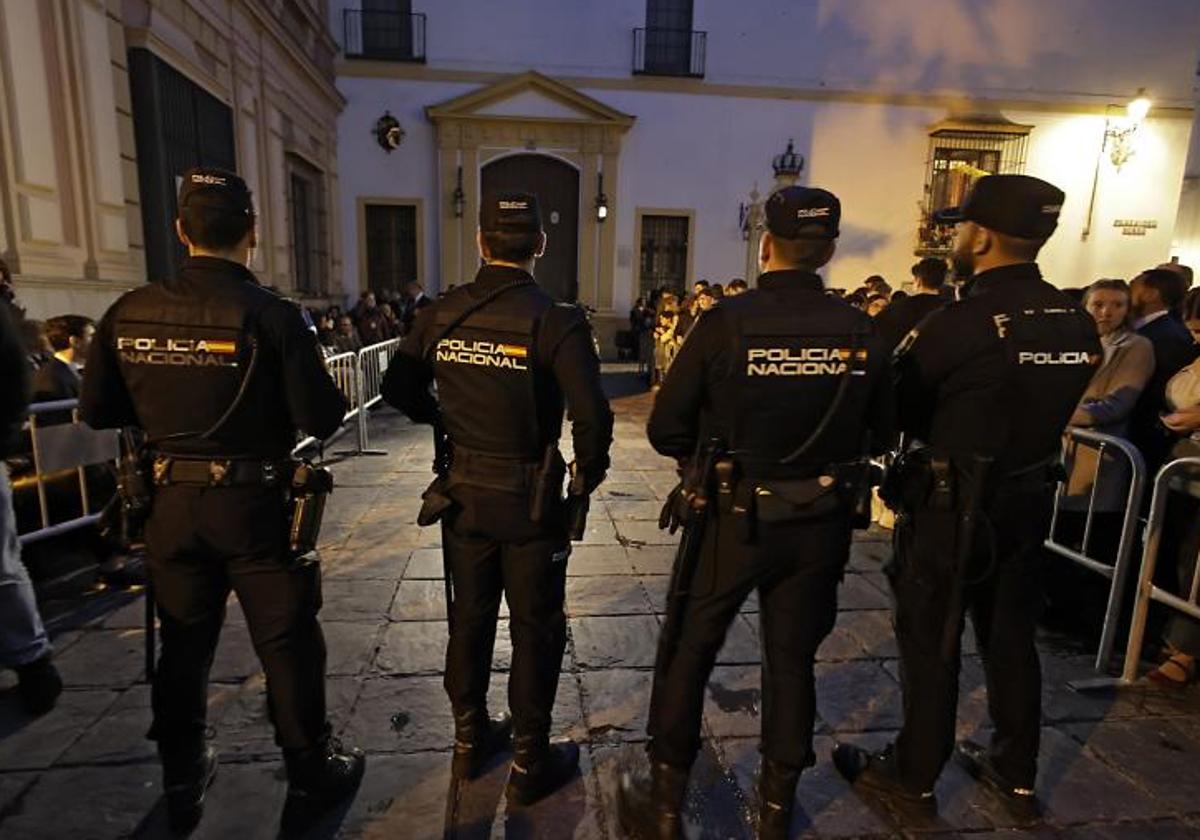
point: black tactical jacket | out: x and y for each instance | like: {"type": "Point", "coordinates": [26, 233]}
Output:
{"type": "Point", "coordinates": [170, 358]}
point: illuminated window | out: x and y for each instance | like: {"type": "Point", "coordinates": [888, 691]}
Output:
{"type": "Point", "coordinates": [961, 152]}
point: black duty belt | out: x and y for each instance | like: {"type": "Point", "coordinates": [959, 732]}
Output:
{"type": "Point", "coordinates": [219, 472]}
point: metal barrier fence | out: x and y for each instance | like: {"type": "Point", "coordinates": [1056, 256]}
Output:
{"type": "Point", "coordinates": [1117, 572]}
{"type": "Point", "coordinates": [1166, 482]}
{"type": "Point", "coordinates": [59, 449]}
{"type": "Point", "coordinates": [344, 369]}
{"type": "Point", "coordinates": [372, 364]}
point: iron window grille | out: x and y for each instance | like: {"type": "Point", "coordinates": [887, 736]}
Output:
{"type": "Point", "coordinates": [961, 152]}
{"type": "Point", "coordinates": [669, 52]}
{"type": "Point", "coordinates": [384, 35]}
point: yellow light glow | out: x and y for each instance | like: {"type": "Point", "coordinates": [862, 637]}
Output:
{"type": "Point", "coordinates": [1138, 109]}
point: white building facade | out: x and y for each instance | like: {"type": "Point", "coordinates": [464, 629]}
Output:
{"type": "Point", "coordinates": [671, 111]}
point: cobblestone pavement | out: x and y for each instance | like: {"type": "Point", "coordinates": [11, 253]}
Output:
{"type": "Point", "coordinates": [1115, 766]}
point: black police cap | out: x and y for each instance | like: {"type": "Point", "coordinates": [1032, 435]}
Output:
{"type": "Point", "coordinates": [803, 213]}
{"type": "Point", "coordinates": [1016, 205]}
{"type": "Point", "coordinates": [510, 212]}
{"type": "Point", "coordinates": [211, 188]}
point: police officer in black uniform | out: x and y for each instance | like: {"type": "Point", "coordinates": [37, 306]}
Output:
{"type": "Point", "coordinates": [791, 381]}
{"type": "Point", "coordinates": [504, 356]}
{"type": "Point", "coordinates": [220, 373]}
{"type": "Point", "coordinates": [984, 390]}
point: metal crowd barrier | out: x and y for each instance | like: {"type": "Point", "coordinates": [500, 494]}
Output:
{"type": "Point", "coordinates": [1117, 572]}
{"type": "Point", "coordinates": [1165, 483]}
{"type": "Point", "coordinates": [344, 369]}
{"type": "Point", "coordinates": [359, 376]}
{"type": "Point", "coordinates": [372, 364]}
{"type": "Point", "coordinates": [62, 448]}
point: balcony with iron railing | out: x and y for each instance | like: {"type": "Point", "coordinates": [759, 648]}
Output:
{"type": "Point", "coordinates": [384, 36]}
{"type": "Point", "coordinates": [669, 52]}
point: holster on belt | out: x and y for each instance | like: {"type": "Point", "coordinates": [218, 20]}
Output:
{"type": "Point", "coordinates": [435, 501]}
{"type": "Point", "coordinates": [546, 492]}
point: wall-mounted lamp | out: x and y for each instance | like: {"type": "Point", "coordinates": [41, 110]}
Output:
{"type": "Point", "coordinates": [1118, 142]}
{"type": "Point", "coordinates": [1118, 135]}
{"type": "Point", "coordinates": [601, 199]}
{"type": "Point", "coordinates": [458, 197]}
{"type": "Point", "coordinates": [388, 132]}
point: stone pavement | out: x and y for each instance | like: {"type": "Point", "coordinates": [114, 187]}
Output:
{"type": "Point", "coordinates": [1115, 766]}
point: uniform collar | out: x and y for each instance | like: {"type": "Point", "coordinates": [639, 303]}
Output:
{"type": "Point", "coordinates": [490, 276]}
{"type": "Point", "coordinates": [207, 267]}
{"type": "Point", "coordinates": [1003, 277]}
{"type": "Point", "coordinates": [791, 280]}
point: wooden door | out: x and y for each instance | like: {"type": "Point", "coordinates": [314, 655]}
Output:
{"type": "Point", "coordinates": [556, 184]}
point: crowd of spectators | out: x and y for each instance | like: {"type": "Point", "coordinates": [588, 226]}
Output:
{"type": "Point", "coordinates": [661, 320]}
{"type": "Point", "coordinates": [372, 319]}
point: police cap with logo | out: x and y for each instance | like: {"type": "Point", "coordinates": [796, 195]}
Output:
{"type": "Point", "coordinates": [1016, 205]}
{"type": "Point", "coordinates": [803, 213]}
{"type": "Point", "coordinates": [510, 212]}
{"type": "Point", "coordinates": [209, 188]}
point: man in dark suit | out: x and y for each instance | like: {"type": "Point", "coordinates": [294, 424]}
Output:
{"type": "Point", "coordinates": [898, 319]}
{"type": "Point", "coordinates": [1156, 294]}
{"type": "Point", "coordinates": [416, 301]}
{"type": "Point", "coordinates": [59, 377]}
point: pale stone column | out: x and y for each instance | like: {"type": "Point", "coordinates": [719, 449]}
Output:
{"type": "Point", "coordinates": [608, 230]}
{"type": "Point", "coordinates": [588, 233]}
{"type": "Point", "coordinates": [447, 225]}
{"type": "Point", "coordinates": [469, 253]}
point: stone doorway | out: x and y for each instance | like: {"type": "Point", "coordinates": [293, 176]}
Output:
{"type": "Point", "coordinates": [556, 185]}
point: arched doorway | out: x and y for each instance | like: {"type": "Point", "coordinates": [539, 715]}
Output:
{"type": "Point", "coordinates": [556, 185]}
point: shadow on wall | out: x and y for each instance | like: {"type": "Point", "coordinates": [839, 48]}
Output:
{"type": "Point", "coordinates": [857, 241]}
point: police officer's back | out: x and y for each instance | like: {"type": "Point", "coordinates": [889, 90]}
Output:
{"type": "Point", "coordinates": [505, 358]}
{"type": "Point", "coordinates": [787, 383]}
{"type": "Point", "coordinates": [985, 388]}
{"type": "Point", "coordinates": [220, 373]}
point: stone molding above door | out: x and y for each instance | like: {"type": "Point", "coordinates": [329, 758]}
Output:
{"type": "Point", "coordinates": [529, 113]}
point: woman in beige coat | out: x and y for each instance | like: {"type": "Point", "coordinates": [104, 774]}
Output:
{"type": "Point", "coordinates": [1110, 397]}
{"type": "Point", "coordinates": [1075, 596]}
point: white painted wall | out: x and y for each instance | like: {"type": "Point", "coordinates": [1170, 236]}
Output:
{"type": "Point", "coordinates": [1064, 48]}
{"type": "Point", "coordinates": [366, 170]}
{"type": "Point", "coordinates": [703, 152]}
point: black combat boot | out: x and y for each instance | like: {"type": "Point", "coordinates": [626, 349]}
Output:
{"type": "Point", "coordinates": [539, 768]}
{"type": "Point", "coordinates": [1020, 800]}
{"type": "Point", "coordinates": [318, 780]}
{"type": "Point", "coordinates": [477, 738]}
{"type": "Point", "coordinates": [650, 806]}
{"type": "Point", "coordinates": [39, 685]}
{"type": "Point", "coordinates": [776, 795]}
{"type": "Point", "coordinates": [189, 768]}
{"type": "Point", "coordinates": [877, 777]}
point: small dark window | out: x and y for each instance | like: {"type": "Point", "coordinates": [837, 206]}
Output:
{"type": "Point", "coordinates": [668, 46]}
{"type": "Point", "coordinates": [391, 245]}
{"type": "Point", "coordinates": [306, 205]}
{"type": "Point", "coordinates": [664, 254]}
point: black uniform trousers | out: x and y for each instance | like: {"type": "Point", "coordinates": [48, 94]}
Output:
{"type": "Point", "coordinates": [202, 542]}
{"type": "Point", "coordinates": [531, 574]}
{"type": "Point", "coordinates": [1004, 596]}
{"type": "Point", "coordinates": [796, 568]}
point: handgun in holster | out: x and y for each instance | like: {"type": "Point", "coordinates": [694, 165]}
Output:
{"type": "Point", "coordinates": [546, 496]}
{"type": "Point", "coordinates": [435, 501]}
{"type": "Point", "coordinates": [578, 503]}
{"type": "Point", "coordinates": [307, 493]}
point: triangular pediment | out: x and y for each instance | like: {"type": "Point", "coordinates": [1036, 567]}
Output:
{"type": "Point", "coordinates": [529, 96]}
